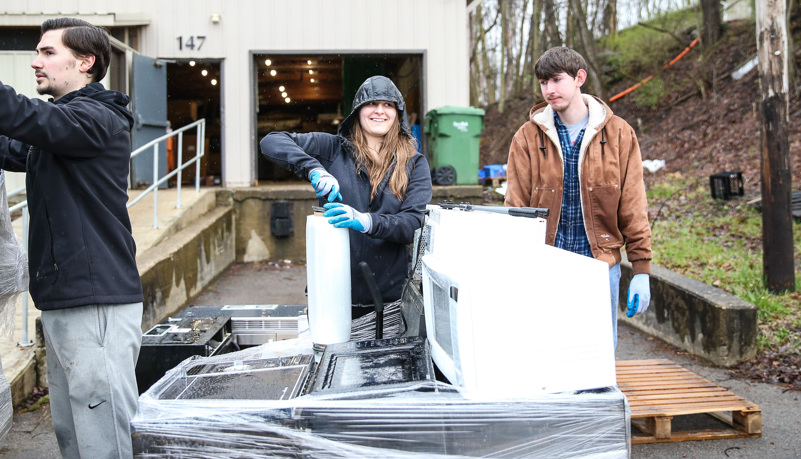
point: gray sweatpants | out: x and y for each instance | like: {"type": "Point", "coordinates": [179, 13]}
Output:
{"type": "Point", "coordinates": [91, 361]}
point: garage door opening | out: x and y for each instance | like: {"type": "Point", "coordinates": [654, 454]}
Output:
{"type": "Point", "coordinates": [193, 93]}
{"type": "Point", "coordinates": [308, 93]}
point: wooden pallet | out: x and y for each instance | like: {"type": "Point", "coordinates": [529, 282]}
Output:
{"type": "Point", "coordinates": [658, 390]}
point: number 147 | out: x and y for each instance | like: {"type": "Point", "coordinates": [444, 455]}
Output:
{"type": "Point", "coordinates": [190, 42]}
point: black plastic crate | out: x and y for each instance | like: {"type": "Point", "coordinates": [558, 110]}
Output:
{"type": "Point", "coordinates": [726, 185]}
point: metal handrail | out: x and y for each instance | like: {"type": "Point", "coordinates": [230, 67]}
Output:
{"type": "Point", "coordinates": [200, 125]}
{"type": "Point", "coordinates": [154, 187]}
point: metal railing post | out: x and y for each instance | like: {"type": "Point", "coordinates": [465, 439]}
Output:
{"type": "Point", "coordinates": [155, 190]}
{"type": "Point", "coordinates": [198, 151]}
{"type": "Point", "coordinates": [25, 342]}
{"type": "Point", "coordinates": [180, 163]}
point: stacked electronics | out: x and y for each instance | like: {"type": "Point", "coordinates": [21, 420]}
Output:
{"type": "Point", "coordinates": [213, 330]}
{"type": "Point", "coordinates": [253, 325]}
{"type": "Point", "coordinates": [375, 398]}
{"type": "Point", "coordinates": [524, 341]}
{"type": "Point", "coordinates": [535, 320]}
{"type": "Point", "coordinates": [281, 378]}
{"type": "Point", "coordinates": [170, 342]}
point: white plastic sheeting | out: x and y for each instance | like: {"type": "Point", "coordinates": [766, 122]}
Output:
{"type": "Point", "coordinates": [13, 281]}
{"type": "Point", "coordinates": [421, 419]}
{"type": "Point", "coordinates": [13, 266]}
{"type": "Point", "coordinates": [328, 279]}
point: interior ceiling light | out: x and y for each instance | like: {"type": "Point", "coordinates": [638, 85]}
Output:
{"type": "Point", "coordinates": [309, 62]}
{"type": "Point", "coordinates": [268, 62]}
{"type": "Point", "coordinates": [191, 63]}
{"type": "Point", "coordinates": [213, 82]}
{"type": "Point", "coordinates": [288, 100]}
{"type": "Point", "coordinates": [312, 80]}
{"type": "Point", "coordinates": [311, 72]}
{"type": "Point", "coordinates": [204, 72]}
{"type": "Point", "coordinates": [273, 72]}
{"type": "Point", "coordinates": [283, 94]}
{"type": "Point", "coordinates": [281, 88]}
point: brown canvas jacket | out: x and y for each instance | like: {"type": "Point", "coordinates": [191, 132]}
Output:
{"type": "Point", "coordinates": [613, 199]}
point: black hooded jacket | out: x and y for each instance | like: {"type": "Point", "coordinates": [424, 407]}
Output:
{"type": "Point", "coordinates": [76, 153]}
{"type": "Point", "coordinates": [386, 247]}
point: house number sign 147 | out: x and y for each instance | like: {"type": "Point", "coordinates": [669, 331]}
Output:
{"type": "Point", "coordinates": [193, 42]}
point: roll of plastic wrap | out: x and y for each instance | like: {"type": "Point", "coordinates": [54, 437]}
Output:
{"type": "Point", "coordinates": [328, 281]}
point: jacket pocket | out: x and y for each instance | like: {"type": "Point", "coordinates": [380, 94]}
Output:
{"type": "Point", "coordinates": [48, 269]}
{"type": "Point", "coordinates": [604, 202]}
{"type": "Point", "coordinates": [68, 278]}
{"type": "Point", "coordinates": [542, 197]}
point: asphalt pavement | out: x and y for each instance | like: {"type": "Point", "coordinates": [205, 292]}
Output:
{"type": "Point", "coordinates": [32, 434]}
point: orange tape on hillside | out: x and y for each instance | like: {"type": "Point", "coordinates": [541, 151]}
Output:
{"type": "Point", "coordinates": [675, 59]}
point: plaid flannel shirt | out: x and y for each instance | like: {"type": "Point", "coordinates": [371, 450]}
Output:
{"type": "Point", "coordinates": [570, 235]}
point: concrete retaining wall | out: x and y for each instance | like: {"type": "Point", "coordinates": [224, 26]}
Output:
{"type": "Point", "coordinates": [703, 320]}
{"type": "Point", "coordinates": [253, 206]}
{"type": "Point", "coordinates": [180, 267]}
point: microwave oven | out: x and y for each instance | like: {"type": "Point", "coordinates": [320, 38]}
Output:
{"type": "Point", "coordinates": [533, 321]}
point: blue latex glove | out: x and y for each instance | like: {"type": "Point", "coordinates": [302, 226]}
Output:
{"type": "Point", "coordinates": [345, 216]}
{"type": "Point", "coordinates": [639, 295]}
{"type": "Point", "coordinates": [325, 184]}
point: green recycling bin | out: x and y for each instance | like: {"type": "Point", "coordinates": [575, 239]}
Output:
{"type": "Point", "coordinates": [453, 140]}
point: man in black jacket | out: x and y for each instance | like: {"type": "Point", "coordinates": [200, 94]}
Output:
{"type": "Point", "coordinates": [75, 150]}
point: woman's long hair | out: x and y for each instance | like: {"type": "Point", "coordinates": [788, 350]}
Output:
{"type": "Point", "coordinates": [396, 149]}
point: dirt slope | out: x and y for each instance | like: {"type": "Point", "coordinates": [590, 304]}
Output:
{"type": "Point", "coordinates": [695, 136]}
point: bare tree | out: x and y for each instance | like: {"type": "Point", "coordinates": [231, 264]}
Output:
{"type": "Point", "coordinates": [712, 28]}
{"type": "Point", "coordinates": [550, 29]}
{"type": "Point", "coordinates": [588, 45]}
{"type": "Point", "coordinates": [521, 49]}
{"type": "Point", "coordinates": [713, 22]}
{"type": "Point", "coordinates": [487, 73]}
{"type": "Point", "coordinates": [610, 18]}
{"type": "Point", "coordinates": [534, 46]}
{"type": "Point", "coordinates": [474, 61]}
{"type": "Point", "coordinates": [505, 44]}
{"type": "Point", "coordinates": [569, 33]}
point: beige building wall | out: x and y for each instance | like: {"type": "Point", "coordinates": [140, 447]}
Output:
{"type": "Point", "coordinates": [234, 29]}
{"type": "Point", "coordinates": [17, 73]}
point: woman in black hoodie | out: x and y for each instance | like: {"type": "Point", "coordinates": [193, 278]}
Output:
{"type": "Point", "coordinates": [372, 180]}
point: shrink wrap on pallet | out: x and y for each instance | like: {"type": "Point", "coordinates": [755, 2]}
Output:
{"type": "Point", "coordinates": [13, 266]}
{"type": "Point", "coordinates": [413, 419]}
{"type": "Point", "coordinates": [13, 282]}
{"type": "Point", "coordinates": [328, 281]}
{"type": "Point", "coordinates": [6, 406]}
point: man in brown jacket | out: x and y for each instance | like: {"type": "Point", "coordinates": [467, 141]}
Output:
{"type": "Point", "coordinates": [583, 163]}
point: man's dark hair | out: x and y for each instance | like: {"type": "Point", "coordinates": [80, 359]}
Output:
{"type": "Point", "coordinates": [557, 60]}
{"type": "Point", "coordinates": [84, 39]}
